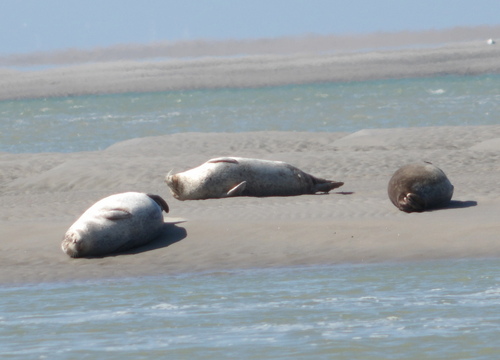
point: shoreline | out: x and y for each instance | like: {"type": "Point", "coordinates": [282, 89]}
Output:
{"type": "Point", "coordinates": [468, 58]}
{"type": "Point", "coordinates": [43, 194]}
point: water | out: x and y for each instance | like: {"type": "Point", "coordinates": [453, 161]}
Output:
{"type": "Point", "coordinates": [445, 310]}
{"type": "Point", "coordinates": [95, 122]}
{"type": "Point", "coordinates": [437, 309]}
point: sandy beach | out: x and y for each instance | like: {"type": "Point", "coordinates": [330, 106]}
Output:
{"type": "Point", "coordinates": [43, 194]}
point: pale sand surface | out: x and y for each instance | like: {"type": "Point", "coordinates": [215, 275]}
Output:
{"type": "Point", "coordinates": [463, 58]}
{"type": "Point", "coordinates": [42, 194]}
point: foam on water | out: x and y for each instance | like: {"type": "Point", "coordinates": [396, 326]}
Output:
{"type": "Point", "coordinates": [442, 309]}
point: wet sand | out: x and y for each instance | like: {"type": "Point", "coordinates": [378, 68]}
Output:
{"type": "Point", "coordinates": [41, 195]}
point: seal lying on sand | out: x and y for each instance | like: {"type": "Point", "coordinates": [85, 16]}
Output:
{"type": "Point", "coordinates": [235, 176]}
{"type": "Point", "coordinates": [116, 223]}
{"type": "Point", "coordinates": [419, 187]}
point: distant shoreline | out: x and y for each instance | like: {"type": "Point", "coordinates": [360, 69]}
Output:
{"type": "Point", "coordinates": [249, 71]}
{"type": "Point", "coordinates": [246, 71]}
{"type": "Point", "coordinates": [285, 45]}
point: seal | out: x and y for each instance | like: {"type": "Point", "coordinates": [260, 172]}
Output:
{"type": "Point", "coordinates": [116, 223]}
{"type": "Point", "coordinates": [236, 176]}
{"type": "Point", "coordinates": [419, 187]}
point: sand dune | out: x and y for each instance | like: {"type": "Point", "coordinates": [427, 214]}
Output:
{"type": "Point", "coordinates": [42, 194]}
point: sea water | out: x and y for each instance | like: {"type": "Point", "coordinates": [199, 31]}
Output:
{"type": "Point", "coordinates": [421, 310]}
{"type": "Point", "coordinates": [94, 122]}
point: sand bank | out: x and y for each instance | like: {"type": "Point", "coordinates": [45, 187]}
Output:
{"type": "Point", "coordinates": [470, 58]}
{"type": "Point", "coordinates": [42, 194]}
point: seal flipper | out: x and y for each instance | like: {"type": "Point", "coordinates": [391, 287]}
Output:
{"type": "Point", "coordinates": [160, 201]}
{"type": "Point", "coordinates": [325, 186]}
{"type": "Point", "coordinates": [223, 159]}
{"type": "Point", "coordinates": [237, 190]}
{"type": "Point", "coordinates": [116, 214]}
{"type": "Point", "coordinates": [412, 202]}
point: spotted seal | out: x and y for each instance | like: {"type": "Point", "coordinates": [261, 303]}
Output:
{"type": "Point", "coordinates": [237, 176]}
{"type": "Point", "coordinates": [116, 223]}
{"type": "Point", "coordinates": [419, 187]}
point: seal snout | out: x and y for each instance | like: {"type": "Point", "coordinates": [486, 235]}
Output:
{"type": "Point", "coordinates": [72, 244]}
{"type": "Point", "coordinates": [176, 187]}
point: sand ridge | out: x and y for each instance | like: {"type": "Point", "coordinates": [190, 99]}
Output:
{"type": "Point", "coordinates": [123, 76]}
{"type": "Point", "coordinates": [42, 194]}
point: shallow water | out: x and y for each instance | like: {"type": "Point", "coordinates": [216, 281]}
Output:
{"type": "Point", "coordinates": [445, 310]}
{"type": "Point", "coordinates": [95, 122]}
{"type": "Point", "coordinates": [436, 309]}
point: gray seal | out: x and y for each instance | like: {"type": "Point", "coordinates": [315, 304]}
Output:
{"type": "Point", "coordinates": [419, 187]}
{"type": "Point", "coordinates": [116, 223]}
{"type": "Point", "coordinates": [236, 176]}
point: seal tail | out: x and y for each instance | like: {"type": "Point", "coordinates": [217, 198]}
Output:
{"type": "Point", "coordinates": [324, 186]}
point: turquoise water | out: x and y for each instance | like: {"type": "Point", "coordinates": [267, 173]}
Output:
{"type": "Point", "coordinates": [425, 310]}
{"type": "Point", "coordinates": [95, 122]}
